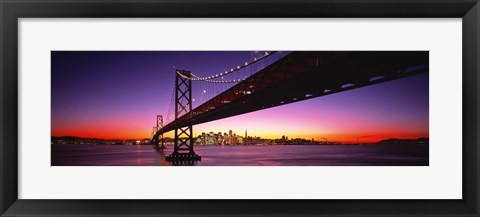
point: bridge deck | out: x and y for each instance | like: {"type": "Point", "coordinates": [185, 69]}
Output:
{"type": "Point", "coordinates": [305, 75]}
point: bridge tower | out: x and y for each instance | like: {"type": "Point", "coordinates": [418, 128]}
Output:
{"type": "Point", "coordinates": [183, 143]}
{"type": "Point", "coordinates": [159, 143]}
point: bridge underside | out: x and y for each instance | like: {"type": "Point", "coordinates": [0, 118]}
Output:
{"type": "Point", "coordinates": [305, 75]}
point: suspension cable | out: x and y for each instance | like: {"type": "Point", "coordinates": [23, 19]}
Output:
{"type": "Point", "coordinates": [171, 103]}
{"type": "Point", "coordinates": [210, 78]}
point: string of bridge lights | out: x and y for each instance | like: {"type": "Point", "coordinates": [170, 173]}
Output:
{"type": "Point", "coordinates": [221, 75]}
{"type": "Point", "coordinates": [228, 81]}
{"type": "Point", "coordinates": [212, 81]}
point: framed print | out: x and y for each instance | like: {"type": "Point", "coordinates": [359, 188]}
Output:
{"type": "Point", "coordinates": [318, 108]}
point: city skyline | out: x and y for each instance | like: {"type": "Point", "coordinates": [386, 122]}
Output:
{"type": "Point", "coordinates": [118, 94]}
{"type": "Point", "coordinates": [196, 136]}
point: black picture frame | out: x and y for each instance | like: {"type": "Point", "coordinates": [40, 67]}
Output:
{"type": "Point", "coordinates": [12, 10]}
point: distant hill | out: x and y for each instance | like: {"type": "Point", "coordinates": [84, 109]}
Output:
{"type": "Point", "coordinates": [62, 140]}
{"type": "Point", "coordinates": [69, 138]}
{"type": "Point", "coordinates": [404, 141]}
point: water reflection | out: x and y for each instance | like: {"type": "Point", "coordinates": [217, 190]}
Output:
{"type": "Point", "coordinates": [291, 155]}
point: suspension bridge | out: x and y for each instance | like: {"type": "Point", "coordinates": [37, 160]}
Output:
{"type": "Point", "coordinates": [294, 77]}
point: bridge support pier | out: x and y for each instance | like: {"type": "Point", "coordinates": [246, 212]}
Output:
{"type": "Point", "coordinates": [159, 142]}
{"type": "Point", "coordinates": [183, 143]}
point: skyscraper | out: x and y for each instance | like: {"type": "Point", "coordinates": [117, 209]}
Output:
{"type": "Point", "coordinates": [225, 138]}
{"type": "Point", "coordinates": [245, 139]}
